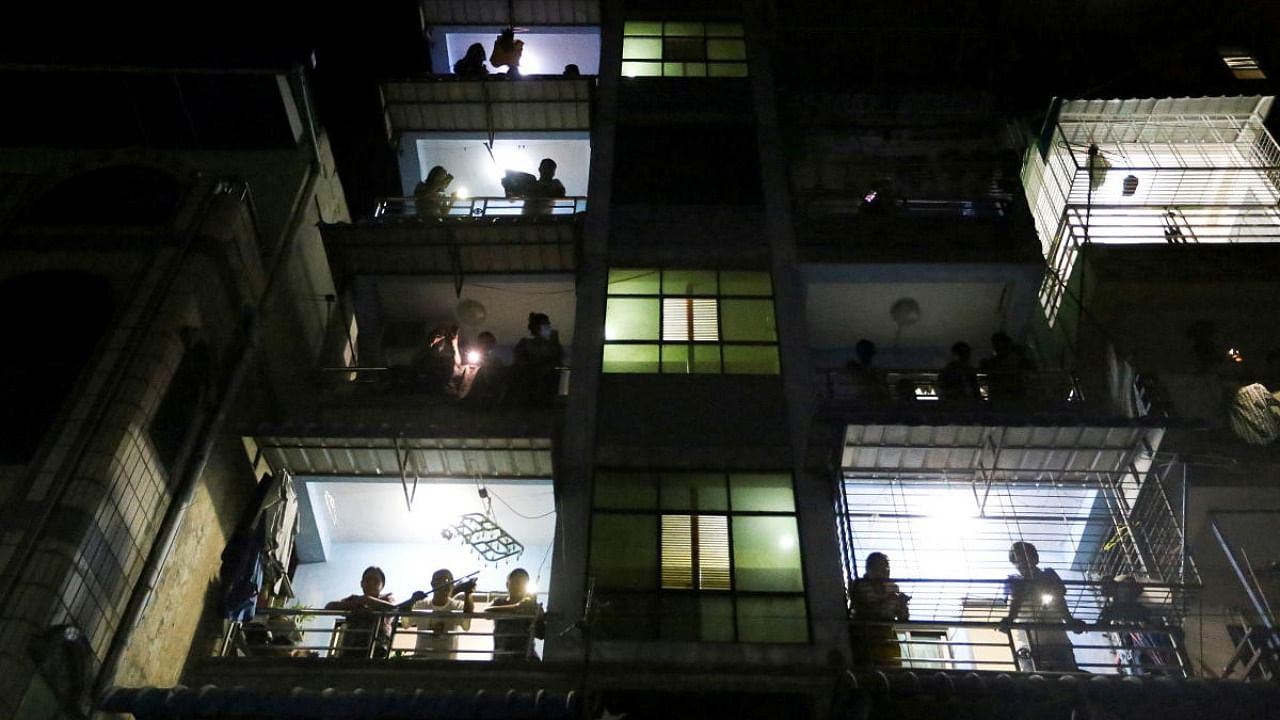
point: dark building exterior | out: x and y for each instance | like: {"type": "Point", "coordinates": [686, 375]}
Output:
{"type": "Point", "coordinates": [689, 386]}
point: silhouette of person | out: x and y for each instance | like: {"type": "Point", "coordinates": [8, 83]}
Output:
{"type": "Point", "coordinates": [1038, 597]}
{"type": "Point", "coordinates": [869, 384]}
{"type": "Point", "coordinates": [877, 603]}
{"type": "Point", "coordinates": [429, 199]}
{"type": "Point", "coordinates": [472, 64]}
{"type": "Point", "coordinates": [958, 381]}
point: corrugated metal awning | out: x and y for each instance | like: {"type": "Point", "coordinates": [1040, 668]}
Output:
{"type": "Point", "coordinates": [1012, 453]}
{"type": "Point", "coordinates": [518, 12]}
{"type": "Point", "coordinates": [1243, 109]}
{"type": "Point", "coordinates": [449, 105]}
{"type": "Point", "coordinates": [399, 248]}
{"type": "Point", "coordinates": [413, 458]}
{"type": "Point", "coordinates": [212, 701]}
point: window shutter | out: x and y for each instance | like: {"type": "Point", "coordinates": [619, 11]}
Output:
{"type": "Point", "coordinates": [686, 319]}
{"type": "Point", "coordinates": [713, 552]}
{"type": "Point", "coordinates": [677, 552]}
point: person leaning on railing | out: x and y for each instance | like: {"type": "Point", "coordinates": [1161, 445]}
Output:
{"type": "Point", "coordinates": [365, 633]}
{"type": "Point", "coordinates": [877, 604]}
{"type": "Point", "coordinates": [437, 639]}
{"type": "Point", "coordinates": [521, 621]}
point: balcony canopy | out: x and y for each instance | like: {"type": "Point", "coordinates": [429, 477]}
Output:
{"type": "Point", "coordinates": [526, 104]}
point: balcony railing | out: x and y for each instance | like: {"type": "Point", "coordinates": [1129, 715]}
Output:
{"type": "Point", "coordinates": [957, 624]}
{"type": "Point", "coordinates": [920, 389]}
{"type": "Point", "coordinates": [1111, 649]}
{"type": "Point", "coordinates": [393, 209]}
{"type": "Point", "coordinates": [414, 634]}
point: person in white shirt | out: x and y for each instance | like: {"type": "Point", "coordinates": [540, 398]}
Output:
{"type": "Point", "coordinates": [437, 638]}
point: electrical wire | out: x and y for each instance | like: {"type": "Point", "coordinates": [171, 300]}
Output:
{"type": "Point", "coordinates": [495, 496]}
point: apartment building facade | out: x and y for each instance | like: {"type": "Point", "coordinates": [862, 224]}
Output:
{"type": "Point", "coordinates": [774, 227]}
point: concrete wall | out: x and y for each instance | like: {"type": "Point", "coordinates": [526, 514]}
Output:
{"type": "Point", "coordinates": [97, 490]}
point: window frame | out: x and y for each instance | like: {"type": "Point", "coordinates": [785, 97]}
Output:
{"type": "Point", "coordinates": [705, 39]}
{"type": "Point", "coordinates": [720, 343]}
{"type": "Point", "coordinates": [654, 593]}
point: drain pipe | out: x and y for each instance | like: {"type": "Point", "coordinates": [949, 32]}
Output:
{"type": "Point", "coordinates": [176, 513]}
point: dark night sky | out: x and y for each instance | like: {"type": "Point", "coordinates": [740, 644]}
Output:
{"type": "Point", "coordinates": [353, 47]}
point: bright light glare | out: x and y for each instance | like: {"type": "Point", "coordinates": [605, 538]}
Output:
{"type": "Point", "coordinates": [509, 158]}
{"type": "Point", "coordinates": [530, 64]}
{"type": "Point", "coordinates": [462, 193]}
{"type": "Point", "coordinates": [531, 588]}
{"type": "Point", "coordinates": [474, 357]}
{"type": "Point", "coordinates": [786, 542]}
{"type": "Point", "coordinates": [1046, 599]}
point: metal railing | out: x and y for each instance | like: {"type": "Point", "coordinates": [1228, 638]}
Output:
{"type": "Point", "coordinates": [921, 388]}
{"type": "Point", "coordinates": [1113, 649]}
{"type": "Point", "coordinates": [403, 379]}
{"type": "Point", "coordinates": [408, 634]}
{"type": "Point", "coordinates": [392, 209]}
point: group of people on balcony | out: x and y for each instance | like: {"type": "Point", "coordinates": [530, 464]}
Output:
{"type": "Point", "coordinates": [1006, 371]}
{"type": "Point", "coordinates": [438, 617]}
{"type": "Point", "coordinates": [1037, 617]}
{"type": "Point", "coordinates": [507, 52]}
{"type": "Point", "coordinates": [431, 199]}
{"type": "Point", "coordinates": [473, 372]}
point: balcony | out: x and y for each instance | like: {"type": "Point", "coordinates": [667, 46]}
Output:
{"type": "Point", "coordinates": [474, 235]}
{"type": "Point", "coordinates": [419, 635]}
{"type": "Point", "coordinates": [960, 628]}
{"type": "Point", "coordinates": [915, 396]}
{"type": "Point", "coordinates": [836, 226]}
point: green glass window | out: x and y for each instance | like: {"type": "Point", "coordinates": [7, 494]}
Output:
{"type": "Point", "coordinates": [772, 620]}
{"type": "Point", "coordinates": [693, 491]}
{"type": "Point", "coordinates": [766, 554]}
{"type": "Point", "coordinates": [631, 319]}
{"type": "Point", "coordinates": [763, 492]}
{"type": "Point", "coordinates": [751, 360]}
{"type": "Point", "coordinates": [683, 49]}
{"type": "Point", "coordinates": [624, 551]}
{"type": "Point", "coordinates": [705, 321]}
{"type": "Point", "coordinates": [630, 359]}
{"type": "Point", "coordinates": [699, 556]}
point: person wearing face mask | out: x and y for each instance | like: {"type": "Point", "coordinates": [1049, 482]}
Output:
{"type": "Point", "coordinates": [534, 379]}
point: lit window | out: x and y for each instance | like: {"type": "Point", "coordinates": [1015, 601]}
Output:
{"type": "Point", "coordinates": [698, 556]}
{"type": "Point", "coordinates": [683, 49]}
{"type": "Point", "coordinates": [690, 321]}
{"type": "Point", "coordinates": [1243, 65]}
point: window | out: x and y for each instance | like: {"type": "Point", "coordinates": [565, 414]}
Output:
{"type": "Point", "coordinates": [683, 49]}
{"type": "Point", "coordinates": [704, 556]}
{"type": "Point", "coordinates": [689, 322]}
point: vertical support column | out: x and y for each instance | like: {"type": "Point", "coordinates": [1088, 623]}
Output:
{"type": "Point", "coordinates": [815, 503]}
{"type": "Point", "coordinates": [574, 456]}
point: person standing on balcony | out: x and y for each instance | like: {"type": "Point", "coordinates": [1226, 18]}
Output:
{"type": "Point", "coordinates": [433, 366]}
{"type": "Point", "coordinates": [534, 376]}
{"type": "Point", "coordinates": [437, 639]}
{"type": "Point", "coordinates": [1007, 369]}
{"type": "Point", "coordinates": [472, 64]}
{"type": "Point", "coordinates": [877, 603]}
{"type": "Point", "coordinates": [429, 199]}
{"type": "Point", "coordinates": [870, 386]}
{"type": "Point", "coordinates": [958, 381]}
{"type": "Point", "coordinates": [521, 618]}
{"type": "Point", "coordinates": [364, 633]}
{"type": "Point", "coordinates": [1038, 597]}
{"type": "Point", "coordinates": [539, 194]}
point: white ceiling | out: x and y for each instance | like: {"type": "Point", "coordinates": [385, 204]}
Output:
{"type": "Point", "coordinates": [507, 300]}
{"type": "Point", "coordinates": [375, 512]}
{"type": "Point", "coordinates": [477, 174]}
{"type": "Point", "coordinates": [841, 313]}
